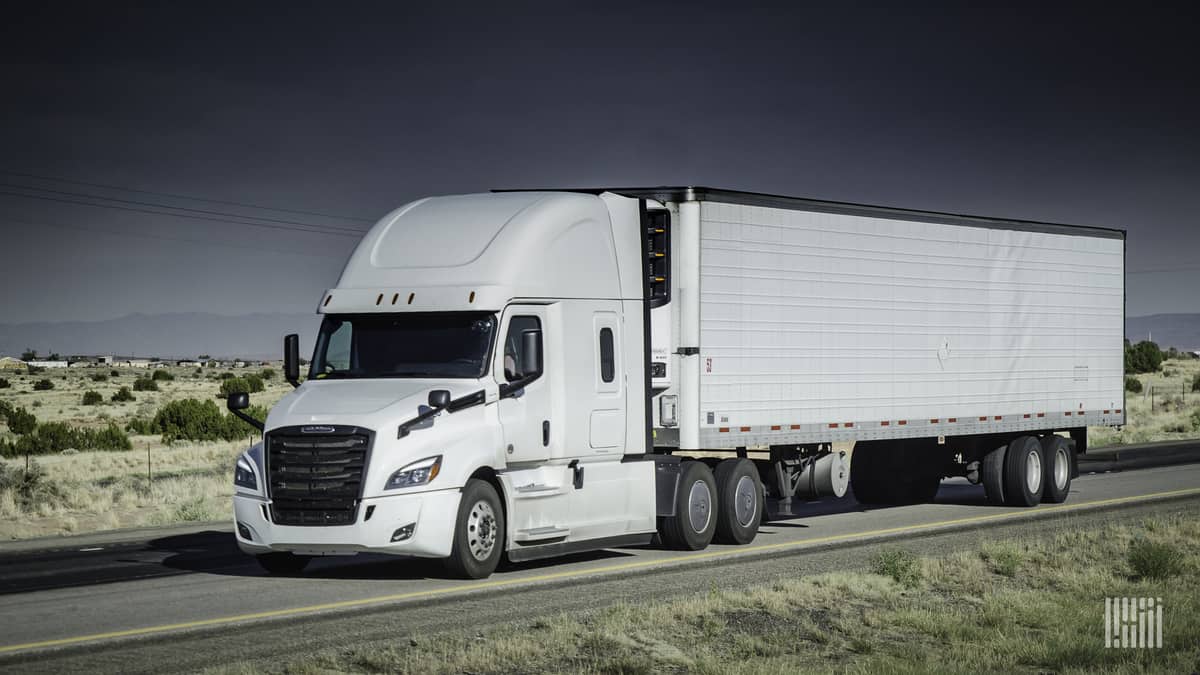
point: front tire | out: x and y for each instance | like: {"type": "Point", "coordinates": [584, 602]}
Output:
{"type": "Point", "coordinates": [283, 563]}
{"type": "Point", "coordinates": [1024, 475]}
{"type": "Point", "coordinates": [479, 532]}
{"type": "Point", "coordinates": [1056, 451]}
{"type": "Point", "coordinates": [695, 521]}
{"type": "Point", "coordinates": [739, 502]}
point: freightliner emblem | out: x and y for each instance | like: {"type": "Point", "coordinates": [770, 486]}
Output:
{"type": "Point", "coordinates": [316, 430]}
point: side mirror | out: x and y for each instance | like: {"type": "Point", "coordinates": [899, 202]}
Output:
{"type": "Point", "coordinates": [439, 398]}
{"type": "Point", "coordinates": [531, 353]}
{"type": "Point", "coordinates": [291, 359]}
{"type": "Point", "coordinates": [239, 400]}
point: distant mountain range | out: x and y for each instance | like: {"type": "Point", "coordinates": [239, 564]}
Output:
{"type": "Point", "coordinates": [1181, 331]}
{"type": "Point", "coordinates": [260, 336]}
{"type": "Point", "coordinates": [255, 336]}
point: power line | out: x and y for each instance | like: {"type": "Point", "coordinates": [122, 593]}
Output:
{"type": "Point", "coordinates": [183, 215]}
{"type": "Point", "coordinates": [143, 235]}
{"type": "Point", "coordinates": [189, 197]}
{"type": "Point", "coordinates": [179, 208]}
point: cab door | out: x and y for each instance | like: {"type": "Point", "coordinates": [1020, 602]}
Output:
{"type": "Point", "coordinates": [525, 416]}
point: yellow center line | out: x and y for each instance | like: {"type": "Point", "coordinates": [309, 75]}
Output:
{"type": "Point", "coordinates": [567, 574]}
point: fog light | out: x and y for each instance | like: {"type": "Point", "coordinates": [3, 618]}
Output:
{"type": "Point", "coordinates": [245, 532]}
{"type": "Point", "coordinates": [403, 533]}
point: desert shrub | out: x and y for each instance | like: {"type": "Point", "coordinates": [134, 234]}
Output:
{"type": "Point", "coordinates": [193, 420]}
{"type": "Point", "coordinates": [21, 421]}
{"type": "Point", "coordinates": [1132, 384]}
{"type": "Point", "coordinates": [99, 377]}
{"type": "Point", "coordinates": [236, 428]}
{"type": "Point", "coordinates": [55, 437]}
{"type": "Point", "coordinates": [267, 373]}
{"type": "Point", "coordinates": [1144, 357]}
{"type": "Point", "coordinates": [114, 373]}
{"type": "Point", "coordinates": [161, 375]}
{"type": "Point", "coordinates": [1196, 382]}
{"type": "Point", "coordinates": [246, 385]}
{"type": "Point", "coordinates": [140, 425]}
{"type": "Point", "coordinates": [145, 384]}
{"type": "Point", "coordinates": [900, 565]}
{"type": "Point", "coordinates": [226, 375]}
{"type": "Point", "coordinates": [92, 398]}
{"type": "Point", "coordinates": [4, 383]}
{"type": "Point", "coordinates": [43, 385]}
{"type": "Point", "coordinates": [34, 370]}
{"type": "Point", "coordinates": [122, 395]}
{"type": "Point", "coordinates": [5, 409]}
{"type": "Point", "coordinates": [30, 488]}
{"type": "Point", "coordinates": [1154, 560]}
{"type": "Point", "coordinates": [255, 382]}
{"type": "Point", "coordinates": [109, 438]}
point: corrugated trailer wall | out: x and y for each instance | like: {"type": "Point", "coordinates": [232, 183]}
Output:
{"type": "Point", "coordinates": [818, 326]}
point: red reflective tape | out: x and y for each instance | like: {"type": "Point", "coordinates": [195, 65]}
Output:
{"type": "Point", "coordinates": [833, 425]}
{"type": "Point", "coordinates": [745, 428]}
{"type": "Point", "coordinates": [724, 430]}
{"type": "Point", "coordinates": [983, 419]}
{"type": "Point", "coordinates": [902, 422]}
{"type": "Point", "coordinates": [1118, 410]}
{"type": "Point", "coordinates": [952, 420]}
{"type": "Point", "coordinates": [848, 424]}
{"type": "Point", "coordinates": [884, 423]}
{"type": "Point", "coordinates": [775, 427]}
{"type": "Point", "coordinates": [1106, 412]}
{"type": "Point", "coordinates": [933, 421]}
{"type": "Point", "coordinates": [997, 418]}
{"type": "Point", "coordinates": [1068, 413]}
{"type": "Point", "coordinates": [795, 426]}
{"type": "Point", "coordinates": [1041, 414]}
{"type": "Point", "coordinates": [1026, 415]}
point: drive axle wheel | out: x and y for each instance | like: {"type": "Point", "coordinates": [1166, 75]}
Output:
{"type": "Point", "coordinates": [694, 523]}
{"type": "Point", "coordinates": [739, 501]}
{"type": "Point", "coordinates": [1024, 475]}
{"type": "Point", "coordinates": [1059, 463]}
{"type": "Point", "coordinates": [478, 532]}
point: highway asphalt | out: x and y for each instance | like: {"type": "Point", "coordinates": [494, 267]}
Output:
{"type": "Point", "coordinates": [106, 594]}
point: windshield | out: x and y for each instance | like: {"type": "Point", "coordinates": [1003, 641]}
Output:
{"type": "Point", "coordinates": [404, 345]}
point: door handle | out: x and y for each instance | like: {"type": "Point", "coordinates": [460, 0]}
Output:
{"type": "Point", "coordinates": [545, 433]}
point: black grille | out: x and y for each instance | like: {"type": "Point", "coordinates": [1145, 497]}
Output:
{"type": "Point", "coordinates": [316, 478]}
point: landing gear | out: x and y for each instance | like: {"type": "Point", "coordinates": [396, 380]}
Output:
{"type": "Point", "coordinates": [694, 523]}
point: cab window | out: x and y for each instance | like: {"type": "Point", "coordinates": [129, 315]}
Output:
{"type": "Point", "coordinates": [513, 366]}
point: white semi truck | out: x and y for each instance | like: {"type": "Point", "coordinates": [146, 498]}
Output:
{"type": "Point", "coordinates": [532, 373]}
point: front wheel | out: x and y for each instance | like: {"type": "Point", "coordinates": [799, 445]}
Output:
{"type": "Point", "coordinates": [478, 533]}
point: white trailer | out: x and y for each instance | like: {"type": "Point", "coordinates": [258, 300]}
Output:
{"type": "Point", "coordinates": [530, 373]}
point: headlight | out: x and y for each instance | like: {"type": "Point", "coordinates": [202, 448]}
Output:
{"type": "Point", "coordinates": [243, 475]}
{"type": "Point", "coordinates": [417, 473]}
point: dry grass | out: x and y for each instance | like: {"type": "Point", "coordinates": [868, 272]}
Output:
{"type": "Point", "coordinates": [1021, 605]}
{"type": "Point", "coordinates": [105, 490]}
{"type": "Point", "coordinates": [1175, 414]}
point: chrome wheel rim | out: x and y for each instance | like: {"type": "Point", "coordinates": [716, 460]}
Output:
{"type": "Point", "coordinates": [745, 501]}
{"type": "Point", "coordinates": [481, 530]}
{"type": "Point", "coordinates": [1062, 468]}
{"type": "Point", "coordinates": [699, 501]}
{"type": "Point", "coordinates": [1033, 472]}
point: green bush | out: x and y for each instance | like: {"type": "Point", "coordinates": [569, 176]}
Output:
{"type": "Point", "coordinates": [92, 398]}
{"type": "Point", "coordinates": [1132, 384]}
{"type": "Point", "coordinates": [161, 375]}
{"type": "Point", "coordinates": [226, 375]}
{"type": "Point", "coordinates": [193, 420]}
{"type": "Point", "coordinates": [141, 426]}
{"type": "Point", "coordinates": [31, 487]}
{"type": "Point", "coordinates": [52, 437]}
{"type": "Point", "coordinates": [1196, 382]}
{"type": "Point", "coordinates": [1154, 560]}
{"type": "Point", "coordinates": [21, 421]}
{"type": "Point", "coordinates": [1144, 357]}
{"type": "Point", "coordinates": [145, 384]}
{"type": "Point", "coordinates": [122, 395]}
{"type": "Point", "coordinates": [267, 373]}
{"type": "Point", "coordinates": [43, 385]}
{"type": "Point", "coordinates": [114, 373]}
{"type": "Point", "coordinates": [99, 377]}
{"type": "Point", "coordinates": [4, 384]}
{"type": "Point", "coordinates": [249, 384]}
{"type": "Point", "coordinates": [34, 370]}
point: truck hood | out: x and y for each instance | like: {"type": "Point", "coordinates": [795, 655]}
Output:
{"type": "Point", "coordinates": [363, 397]}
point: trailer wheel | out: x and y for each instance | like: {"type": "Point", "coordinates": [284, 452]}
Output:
{"type": "Point", "coordinates": [1024, 472]}
{"type": "Point", "coordinates": [283, 563]}
{"type": "Point", "coordinates": [1056, 453]}
{"type": "Point", "coordinates": [739, 502]}
{"type": "Point", "coordinates": [694, 523]}
{"type": "Point", "coordinates": [478, 533]}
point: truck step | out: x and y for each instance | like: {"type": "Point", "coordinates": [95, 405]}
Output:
{"type": "Point", "coordinates": [539, 533]}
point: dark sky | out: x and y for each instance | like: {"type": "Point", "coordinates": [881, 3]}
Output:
{"type": "Point", "coordinates": [1082, 115]}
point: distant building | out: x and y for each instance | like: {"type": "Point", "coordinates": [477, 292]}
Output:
{"type": "Point", "coordinates": [49, 364]}
{"type": "Point", "coordinates": [10, 363]}
{"type": "Point", "coordinates": [135, 363]}
{"type": "Point", "coordinates": [188, 364]}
